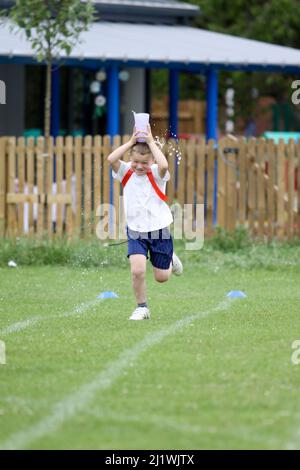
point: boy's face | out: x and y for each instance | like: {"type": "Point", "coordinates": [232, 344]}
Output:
{"type": "Point", "coordinates": [140, 164]}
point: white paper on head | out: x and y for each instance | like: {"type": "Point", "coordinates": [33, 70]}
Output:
{"type": "Point", "coordinates": [141, 121]}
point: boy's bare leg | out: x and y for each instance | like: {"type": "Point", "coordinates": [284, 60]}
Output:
{"type": "Point", "coordinates": [162, 275]}
{"type": "Point", "coordinates": [138, 274]}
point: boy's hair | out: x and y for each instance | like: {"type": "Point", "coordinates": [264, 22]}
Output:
{"type": "Point", "coordinates": [142, 148]}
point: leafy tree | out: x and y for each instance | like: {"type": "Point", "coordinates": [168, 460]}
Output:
{"type": "Point", "coordinates": [275, 21]}
{"type": "Point", "coordinates": [52, 27]}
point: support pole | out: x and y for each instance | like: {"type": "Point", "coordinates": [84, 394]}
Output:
{"type": "Point", "coordinates": [113, 122]}
{"type": "Point", "coordinates": [173, 102]}
{"type": "Point", "coordinates": [55, 111]}
{"type": "Point", "coordinates": [212, 124]}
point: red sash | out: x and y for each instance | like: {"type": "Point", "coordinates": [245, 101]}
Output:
{"type": "Point", "coordinates": [160, 194]}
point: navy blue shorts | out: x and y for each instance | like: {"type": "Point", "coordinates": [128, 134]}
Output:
{"type": "Point", "coordinates": [159, 243]}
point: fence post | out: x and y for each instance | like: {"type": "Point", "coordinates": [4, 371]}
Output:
{"type": "Point", "coordinates": [242, 167]}
{"type": "Point", "coordinates": [2, 185]}
{"type": "Point", "coordinates": [181, 187]}
{"type": "Point", "coordinates": [291, 187]}
{"type": "Point", "coordinates": [271, 190]}
{"type": "Point", "coordinates": [49, 183]}
{"type": "Point", "coordinates": [11, 186]}
{"type": "Point", "coordinates": [221, 194]}
{"type": "Point", "coordinates": [251, 205]}
{"type": "Point", "coordinates": [40, 185]}
{"type": "Point", "coordinates": [97, 148]}
{"type": "Point", "coordinates": [30, 157]}
{"type": "Point", "coordinates": [87, 205]}
{"type": "Point", "coordinates": [68, 172]}
{"type": "Point", "coordinates": [281, 190]}
{"type": "Point", "coordinates": [173, 170]}
{"type": "Point", "coordinates": [298, 188]}
{"type": "Point", "coordinates": [79, 186]}
{"type": "Point", "coordinates": [261, 186]}
{"type": "Point", "coordinates": [59, 152]}
{"type": "Point", "coordinates": [114, 229]}
{"type": "Point", "coordinates": [231, 190]}
{"type": "Point", "coordinates": [210, 186]}
{"type": "Point", "coordinates": [21, 182]}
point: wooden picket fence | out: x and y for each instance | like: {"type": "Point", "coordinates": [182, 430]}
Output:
{"type": "Point", "coordinates": [250, 183]}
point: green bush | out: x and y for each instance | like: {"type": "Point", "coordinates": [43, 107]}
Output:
{"type": "Point", "coordinates": [61, 252]}
{"type": "Point", "coordinates": [234, 250]}
{"type": "Point", "coordinates": [226, 241]}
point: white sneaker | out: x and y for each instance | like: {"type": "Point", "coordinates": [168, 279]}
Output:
{"type": "Point", "coordinates": [177, 267]}
{"type": "Point", "coordinates": [140, 313]}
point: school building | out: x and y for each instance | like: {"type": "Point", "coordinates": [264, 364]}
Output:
{"type": "Point", "coordinates": [108, 74]}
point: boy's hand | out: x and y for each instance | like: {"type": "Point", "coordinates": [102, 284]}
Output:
{"type": "Point", "coordinates": [149, 136]}
{"type": "Point", "coordinates": [133, 138]}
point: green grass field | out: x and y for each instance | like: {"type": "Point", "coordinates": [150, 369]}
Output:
{"type": "Point", "coordinates": [203, 373]}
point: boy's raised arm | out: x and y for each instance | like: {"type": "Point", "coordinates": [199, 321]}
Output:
{"type": "Point", "coordinates": [159, 157]}
{"type": "Point", "coordinates": [115, 156]}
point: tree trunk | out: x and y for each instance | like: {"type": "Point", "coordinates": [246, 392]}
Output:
{"type": "Point", "coordinates": [48, 98]}
{"type": "Point", "coordinates": [47, 124]}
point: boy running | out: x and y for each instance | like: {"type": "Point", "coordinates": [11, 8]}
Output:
{"type": "Point", "coordinates": [147, 215]}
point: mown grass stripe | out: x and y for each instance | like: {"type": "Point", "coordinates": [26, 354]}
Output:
{"type": "Point", "coordinates": [77, 401]}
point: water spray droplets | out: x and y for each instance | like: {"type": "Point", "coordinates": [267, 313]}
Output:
{"type": "Point", "coordinates": [160, 141]}
{"type": "Point", "coordinates": [173, 151]}
{"type": "Point", "coordinates": [172, 147]}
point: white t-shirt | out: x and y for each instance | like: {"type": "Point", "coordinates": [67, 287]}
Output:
{"type": "Point", "coordinates": [144, 210]}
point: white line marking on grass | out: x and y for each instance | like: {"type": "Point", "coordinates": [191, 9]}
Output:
{"type": "Point", "coordinates": [82, 308]}
{"type": "Point", "coordinates": [22, 325]}
{"type": "Point", "coordinates": [78, 400]}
